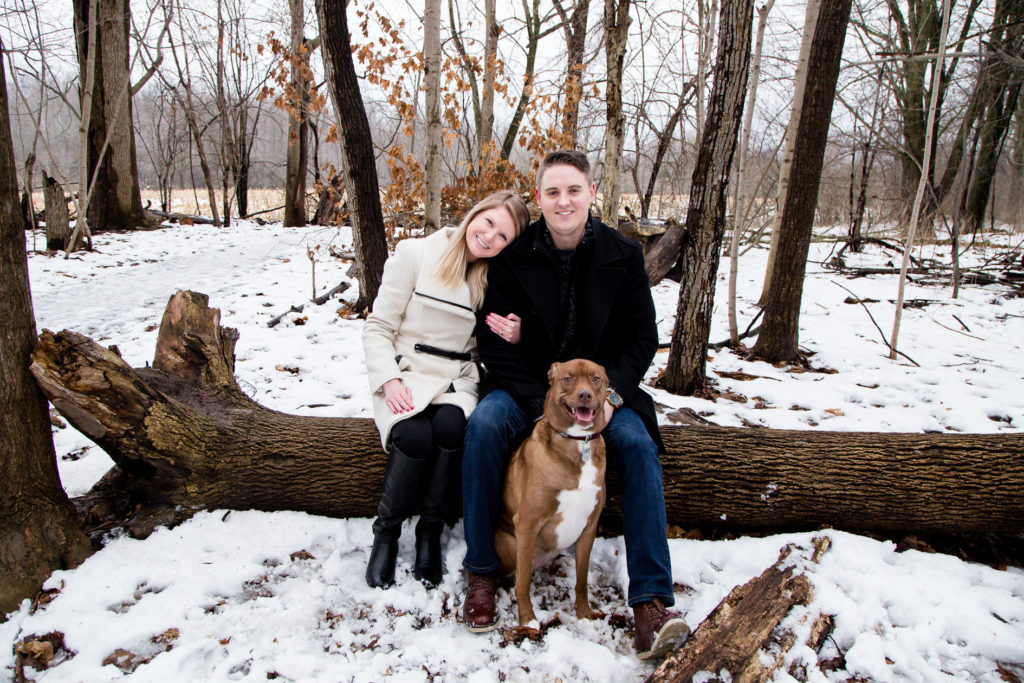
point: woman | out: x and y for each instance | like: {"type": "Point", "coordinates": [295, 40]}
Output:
{"type": "Point", "coordinates": [421, 361]}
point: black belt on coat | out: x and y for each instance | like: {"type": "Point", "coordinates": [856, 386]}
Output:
{"type": "Point", "coordinates": [443, 353]}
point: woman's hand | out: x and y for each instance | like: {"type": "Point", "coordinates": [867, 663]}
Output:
{"type": "Point", "coordinates": [508, 327]}
{"type": "Point", "coordinates": [397, 396]}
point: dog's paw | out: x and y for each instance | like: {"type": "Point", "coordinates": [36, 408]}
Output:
{"type": "Point", "coordinates": [588, 613]}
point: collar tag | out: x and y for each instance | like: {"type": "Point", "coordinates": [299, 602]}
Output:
{"type": "Point", "coordinates": [585, 450]}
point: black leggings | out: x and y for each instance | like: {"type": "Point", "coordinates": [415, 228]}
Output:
{"type": "Point", "coordinates": [438, 426]}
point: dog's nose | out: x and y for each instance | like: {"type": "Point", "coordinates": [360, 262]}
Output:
{"type": "Point", "coordinates": [584, 395]}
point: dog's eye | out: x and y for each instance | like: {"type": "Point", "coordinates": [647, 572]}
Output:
{"type": "Point", "coordinates": [567, 379]}
{"type": "Point", "coordinates": [597, 380]}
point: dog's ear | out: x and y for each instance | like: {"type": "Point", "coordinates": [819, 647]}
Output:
{"type": "Point", "coordinates": [552, 373]}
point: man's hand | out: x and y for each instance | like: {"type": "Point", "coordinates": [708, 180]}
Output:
{"type": "Point", "coordinates": [609, 410]}
{"type": "Point", "coordinates": [397, 396]}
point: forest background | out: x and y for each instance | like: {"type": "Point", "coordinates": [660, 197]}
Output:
{"type": "Point", "coordinates": [899, 121]}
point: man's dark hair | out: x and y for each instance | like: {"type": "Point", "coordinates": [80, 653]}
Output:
{"type": "Point", "coordinates": [567, 157]}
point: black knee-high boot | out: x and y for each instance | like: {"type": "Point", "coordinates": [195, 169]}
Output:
{"type": "Point", "coordinates": [429, 566]}
{"type": "Point", "coordinates": [403, 483]}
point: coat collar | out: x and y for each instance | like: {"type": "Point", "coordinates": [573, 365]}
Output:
{"type": "Point", "coordinates": [603, 265]}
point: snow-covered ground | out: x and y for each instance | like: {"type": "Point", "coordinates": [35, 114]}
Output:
{"type": "Point", "coordinates": [237, 595]}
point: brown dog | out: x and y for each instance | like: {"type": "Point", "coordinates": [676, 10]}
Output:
{"type": "Point", "coordinates": [554, 487]}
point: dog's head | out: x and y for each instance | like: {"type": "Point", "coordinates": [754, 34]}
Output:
{"type": "Point", "coordinates": [576, 396]}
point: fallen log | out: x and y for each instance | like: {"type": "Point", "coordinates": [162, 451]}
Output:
{"type": "Point", "coordinates": [663, 253]}
{"type": "Point", "coordinates": [184, 436]}
{"type": "Point", "coordinates": [746, 623]}
{"type": "Point", "coordinates": [181, 218]}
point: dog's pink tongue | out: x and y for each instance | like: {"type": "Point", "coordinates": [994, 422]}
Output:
{"type": "Point", "coordinates": [584, 416]}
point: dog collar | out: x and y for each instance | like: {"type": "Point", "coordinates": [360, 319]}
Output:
{"type": "Point", "coordinates": [588, 437]}
{"type": "Point", "coordinates": [583, 445]}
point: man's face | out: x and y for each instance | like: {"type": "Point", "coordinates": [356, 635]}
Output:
{"type": "Point", "coordinates": [564, 196]}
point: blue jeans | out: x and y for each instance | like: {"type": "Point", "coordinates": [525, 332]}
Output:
{"type": "Point", "coordinates": [498, 424]}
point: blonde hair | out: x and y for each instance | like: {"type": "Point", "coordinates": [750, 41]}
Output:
{"type": "Point", "coordinates": [454, 268]}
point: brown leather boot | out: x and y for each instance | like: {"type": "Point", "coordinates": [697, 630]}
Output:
{"type": "Point", "coordinates": [479, 612]}
{"type": "Point", "coordinates": [658, 630]}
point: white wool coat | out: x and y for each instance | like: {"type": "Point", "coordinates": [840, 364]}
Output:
{"type": "Point", "coordinates": [413, 306]}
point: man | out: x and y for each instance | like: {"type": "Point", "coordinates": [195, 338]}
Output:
{"type": "Point", "coordinates": [581, 291]}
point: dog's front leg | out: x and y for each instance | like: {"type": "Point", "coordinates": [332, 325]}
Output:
{"type": "Point", "coordinates": [583, 547]}
{"type": "Point", "coordinates": [526, 536]}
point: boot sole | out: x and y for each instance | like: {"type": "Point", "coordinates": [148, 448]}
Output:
{"type": "Point", "coordinates": [673, 634]}
{"type": "Point", "coordinates": [482, 629]}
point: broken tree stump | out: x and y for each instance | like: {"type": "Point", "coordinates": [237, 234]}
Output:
{"type": "Point", "coordinates": [182, 433]}
{"type": "Point", "coordinates": [58, 228]}
{"type": "Point", "coordinates": [746, 623]}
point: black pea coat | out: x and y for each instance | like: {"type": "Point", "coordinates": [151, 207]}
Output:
{"type": "Point", "coordinates": [615, 320]}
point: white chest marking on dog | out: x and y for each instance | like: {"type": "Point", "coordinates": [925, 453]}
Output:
{"type": "Point", "coordinates": [575, 506]}
{"type": "Point", "coordinates": [584, 447]}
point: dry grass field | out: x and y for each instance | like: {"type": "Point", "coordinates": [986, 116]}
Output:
{"type": "Point", "coordinates": [197, 203]}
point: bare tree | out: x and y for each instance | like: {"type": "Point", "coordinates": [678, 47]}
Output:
{"type": "Point", "coordinates": [707, 15]}
{"type": "Point", "coordinates": [779, 336]}
{"type": "Point", "coordinates": [163, 139]}
{"type": "Point", "coordinates": [185, 95]}
{"type": "Point", "coordinates": [868, 148]}
{"type": "Point", "coordinates": [575, 27]}
{"type": "Point", "coordinates": [535, 31]}
{"type": "Point", "coordinates": [739, 198]}
{"type": "Point", "coordinates": [917, 24]}
{"type": "Point", "coordinates": [485, 129]}
{"type": "Point", "coordinates": [111, 170]}
{"type": "Point", "coordinates": [799, 86]}
{"type": "Point", "coordinates": [38, 531]}
{"type": "Point", "coordinates": [298, 120]}
{"type": "Point", "coordinates": [432, 102]}
{"type": "Point", "coordinates": [922, 182]}
{"type": "Point", "coordinates": [685, 372]}
{"type": "Point", "coordinates": [616, 33]}
{"type": "Point", "coordinates": [358, 163]}
{"type": "Point", "coordinates": [1003, 78]}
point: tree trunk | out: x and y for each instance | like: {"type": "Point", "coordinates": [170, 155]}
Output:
{"type": "Point", "coordinates": [227, 143]}
{"type": "Point", "coordinates": [114, 197]}
{"type": "Point", "coordinates": [432, 104]}
{"type": "Point", "coordinates": [575, 28]}
{"type": "Point", "coordinates": [491, 30]}
{"type": "Point", "coordinates": [616, 32]}
{"type": "Point", "coordinates": [707, 15]}
{"type": "Point", "coordinates": [298, 126]}
{"type": "Point", "coordinates": [921, 185]}
{"type": "Point", "coordinates": [58, 230]}
{"type": "Point", "coordinates": [243, 161]}
{"type": "Point", "coordinates": [779, 337]}
{"type": "Point", "coordinates": [358, 162]}
{"type": "Point", "coordinates": [997, 121]}
{"type": "Point", "coordinates": [38, 531]}
{"type": "Point", "coordinates": [917, 27]}
{"type": "Point", "coordinates": [705, 217]}
{"type": "Point", "coordinates": [739, 211]}
{"type": "Point", "coordinates": [183, 434]}
{"type": "Point", "coordinates": [785, 166]}
{"type": "Point", "coordinates": [28, 211]}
